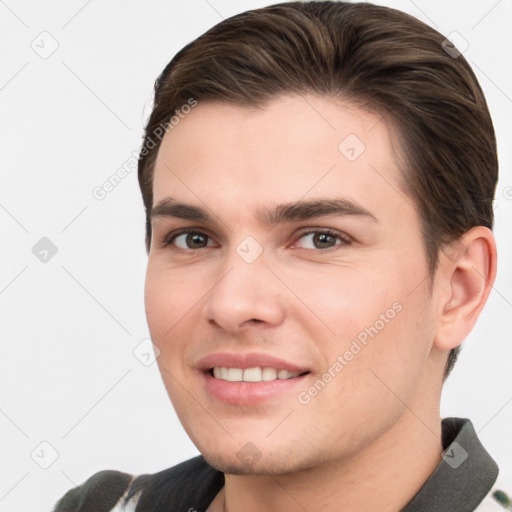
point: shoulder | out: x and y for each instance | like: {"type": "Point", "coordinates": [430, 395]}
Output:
{"type": "Point", "coordinates": [100, 492]}
{"type": "Point", "coordinates": [192, 481]}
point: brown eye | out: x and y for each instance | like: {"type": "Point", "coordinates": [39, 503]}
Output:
{"type": "Point", "coordinates": [188, 240]}
{"type": "Point", "coordinates": [323, 239]}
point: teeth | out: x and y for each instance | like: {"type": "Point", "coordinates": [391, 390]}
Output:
{"type": "Point", "coordinates": [251, 375]}
{"type": "Point", "coordinates": [269, 374]}
{"type": "Point", "coordinates": [233, 374]}
{"type": "Point", "coordinates": [256, 374]}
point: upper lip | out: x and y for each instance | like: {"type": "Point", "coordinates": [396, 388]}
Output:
{"type": "Point", "coordinates": [248, 360]}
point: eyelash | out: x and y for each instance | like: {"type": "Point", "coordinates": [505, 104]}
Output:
{"type": "Point", "coordinates": [170, 237]}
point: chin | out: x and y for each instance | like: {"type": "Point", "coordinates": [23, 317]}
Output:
{"type": "Point", "coordinates": [250, 461]}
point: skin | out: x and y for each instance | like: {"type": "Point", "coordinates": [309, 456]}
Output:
{"type": "Point", "coordinates": [372, 436]}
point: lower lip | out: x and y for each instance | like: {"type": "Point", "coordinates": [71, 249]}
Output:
{"type": "Point", "coordinates": [249, 393]}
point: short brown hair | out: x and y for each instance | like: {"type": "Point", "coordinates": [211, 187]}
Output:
{"type": "Point", "coordinates": [380, 58]}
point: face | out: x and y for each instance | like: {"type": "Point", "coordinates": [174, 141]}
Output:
{"type": "Point", "coordinates": [297, 256]}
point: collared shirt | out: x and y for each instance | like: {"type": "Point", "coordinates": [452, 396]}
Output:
{"type": "Point", "coordinates": [461, 483]}
{"type": "Point", "coordinates": [464, 476]}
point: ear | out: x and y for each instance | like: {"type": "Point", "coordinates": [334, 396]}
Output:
{"type": "Point", "coordinates": [467, 270]}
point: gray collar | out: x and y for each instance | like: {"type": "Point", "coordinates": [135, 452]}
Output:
{"type": "Point", "coordinates": [464, 476]}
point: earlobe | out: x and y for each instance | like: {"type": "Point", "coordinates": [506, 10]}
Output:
{"type": "Point", "coordinates": [469, 265]}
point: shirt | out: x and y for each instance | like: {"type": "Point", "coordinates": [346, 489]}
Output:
{"type": "Point", "coordinates": [460, 483]}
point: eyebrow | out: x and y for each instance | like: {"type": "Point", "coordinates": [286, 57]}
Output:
{"type": "Point", "coordinates": [287, 212]}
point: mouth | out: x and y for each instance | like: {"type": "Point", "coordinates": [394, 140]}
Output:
{"type": "Point", "coordinates": [249, 379]}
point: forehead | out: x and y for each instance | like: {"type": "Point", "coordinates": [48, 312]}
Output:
{"type": "Point", "coordinates": [295, 146]}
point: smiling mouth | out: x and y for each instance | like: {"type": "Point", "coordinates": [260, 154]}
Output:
{"type": "Point", "coordinates": [256, 374]}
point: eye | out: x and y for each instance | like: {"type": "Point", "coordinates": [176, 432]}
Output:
{"type": "Point", "coordinates": [313, 239]}
{"type": "Point", "coordinates": [185, 240]}
{"type": "Point", "coordinates": [323, 239]}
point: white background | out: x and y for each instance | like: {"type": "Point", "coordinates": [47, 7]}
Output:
{"type": "Point", "coordinates": [68, 373]}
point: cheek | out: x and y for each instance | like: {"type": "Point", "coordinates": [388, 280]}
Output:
{"type": "Point", "coordinates": [371, 372]}
{"type": "Point", "coordinates": [394, 350]}
{"type": "Point", "coordinates": [341, 301]}
{"type": "Point", "coordinates": [374, 321]}
{"type": "Point", "coordinates": [168, 300]}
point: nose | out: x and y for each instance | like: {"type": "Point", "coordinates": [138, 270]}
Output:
{"type": "Point", "coordinates": [244, 294]}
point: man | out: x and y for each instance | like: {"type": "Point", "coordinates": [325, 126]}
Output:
{"type": "Point", "coordinates": [318, 180]}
